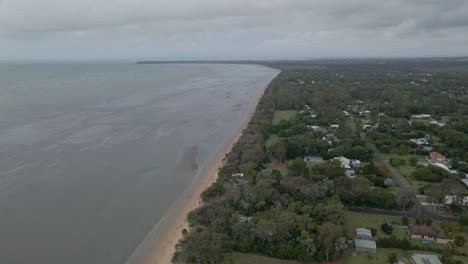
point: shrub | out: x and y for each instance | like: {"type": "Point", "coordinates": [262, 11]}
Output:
{"type": "Point", "coordinates": [429, 221]}
{"type": "Point", "coordinates": [460, 241]}
{"type": "Point", "coordinates": [387, 228]}
{"type": "Point", "coordinates": [393, 242]}
{"type": "Point", "coordinates": [463, 220]}
{"type": "Point", "coordinates": [404, 221]}
{"type": "Point", "coordinates": [392, 258]}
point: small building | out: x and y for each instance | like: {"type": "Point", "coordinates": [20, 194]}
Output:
{"type": "Point", "coordinates": [238, 175]}
{"type": "Point", "coordinates": [335, 126]}
{"type": "Point", "coordinates": [425, 232]}
{"type": "Point", "coordinates": [362, 245]}
{"type": "Point", "coordinates": [363, 233]}
{"type": "Point", "coordinates": [437, 157]}
{"type": "Point", "coordinates": [313, 159]}
{"type": "Point", "coordinates": [425, 259]}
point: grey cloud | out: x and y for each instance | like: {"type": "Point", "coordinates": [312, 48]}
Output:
{"type": "Point", "coordinates": [231, 28]}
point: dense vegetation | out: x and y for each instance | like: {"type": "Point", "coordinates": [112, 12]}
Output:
{"type": "Point", "coordinates": [285, 207]}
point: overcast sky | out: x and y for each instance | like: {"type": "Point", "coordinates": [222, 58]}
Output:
{"type": "Point", "coordinates": [231, 29]}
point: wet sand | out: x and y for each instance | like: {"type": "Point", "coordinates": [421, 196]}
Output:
{"type": "Point", "coordinates": [169, 230]}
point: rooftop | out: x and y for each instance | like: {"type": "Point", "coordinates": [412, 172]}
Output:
{"type": "Point", "coordinates": [365, 243]}
{"type": "Point", "coordinates": [426, 259]}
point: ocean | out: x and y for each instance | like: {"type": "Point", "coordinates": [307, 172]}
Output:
{"type": "Point", "coordinates": [92, 155]}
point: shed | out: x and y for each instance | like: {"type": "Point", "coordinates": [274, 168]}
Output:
{"type": "Point", "coordinates": [362, 245]}
{"type": "Point", "coordinates": [363, 233]}
{"type": "Point", "coordinates": [426, 259]}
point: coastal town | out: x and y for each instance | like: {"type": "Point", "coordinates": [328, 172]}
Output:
{"type": "Point", "coordinates": [343, 163]}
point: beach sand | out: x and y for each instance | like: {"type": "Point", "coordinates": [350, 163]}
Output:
{"type": "Point", "coordinates": [167, 233]}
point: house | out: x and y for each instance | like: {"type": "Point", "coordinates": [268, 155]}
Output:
{"type": "Point", "coordinates": [437, 157]}
{"type": "Point", "coordinates": [318, 128]}
{"type": "Point", "coordinates": [437, 123]}
{"type": "Point", "coordinates": [423, 116]}
{"type": "Point", "coordinates": [425, 259]}
{"type": "Point", "coordinates": [425, 232]}
{"type": "Point", "coordinates": [313, 159]}
{"type": "Point", "coordinates": [348, 163]}
{"type": "Point", "coordinates": [331, 137]}
{"type": "Point", "coordinates": [420, 141]}
{"type": "Point", "coordinates": [355, 163]}
{"type": "Point", "coordinates": [443, 166]}
{"type": "Point", "coordinates": [345, 163]}
{"type": "Point", "coordinates": [363, 233]}
{"type": "Point", "coordinates": [450, 199]}
{"type": "Point", "coordinates": [362, 245]}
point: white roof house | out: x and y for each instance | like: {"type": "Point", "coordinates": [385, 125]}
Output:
{"type": "Point", "coordinates": [345, 163]}
{"type": "Point", "coordinates": [449, 199]}
{"type": "Point", "coordinates": [443, 166]}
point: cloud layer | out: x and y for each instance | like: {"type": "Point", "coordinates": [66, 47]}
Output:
{"type": "Point", "coordinates": [231, 29]}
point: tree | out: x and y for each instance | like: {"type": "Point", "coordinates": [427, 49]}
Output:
{"type": "Point", "coordinates": [463, 220]}
{"type": "Point", "coordinates": [248, 169]}
{"type": "Point", "coordinates": [308, 243]}
{"type": "Point", "coordinates": [392, 258]}
{"type": "Point", "coordinates": [329, 234]}
{"type": "Point", "coordinates": [280, 151]}
{"type": "Point", "coordinates": [298, 167]}
{"type": "Point", "coordinates": [405, 197]}
{"type": "Point", "coordinates": [404, 221]}
{"type": "Point", "coordinates": [413, 160]}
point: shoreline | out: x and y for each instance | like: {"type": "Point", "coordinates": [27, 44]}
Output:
{"type": "Point", "coordinates": [169, 228]}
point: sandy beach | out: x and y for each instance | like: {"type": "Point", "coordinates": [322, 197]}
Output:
{"type": "Point", "coordinates": [169, 230]}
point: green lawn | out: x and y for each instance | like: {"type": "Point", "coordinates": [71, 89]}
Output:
{"type": "Point", "coordinates": [272, 140]}
{"type": "Point", "coordinates": [283, 115]}
{"type": "Point", "coordinates": [242, 258]}
{"type": "Point", "coordinates": [382, 256]}
{"type": "Point", "coordinates": [357, 220]}
{"type": "Point", "coordinates": [283, 168]}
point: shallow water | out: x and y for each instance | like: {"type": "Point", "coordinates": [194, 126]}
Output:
{"type": "Point", "coordinates": [92, 155]}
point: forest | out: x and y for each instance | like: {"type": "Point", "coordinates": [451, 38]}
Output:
{"type": "Point", "coordinates": [269, 199]}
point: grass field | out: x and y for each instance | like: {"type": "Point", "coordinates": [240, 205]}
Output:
{"type": "Point", "coordinates": [242, 258]}
{"type": "Point", "coordinates": [357, 220]}
{"type": "Point", "coordinates": [346, 257]}
{"type": "Point", "coordinates": [283, 115]}
{"type": "Point", "coordinates": [272, 140]}
{"type": "Point", "coordinates": [283, 168]}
